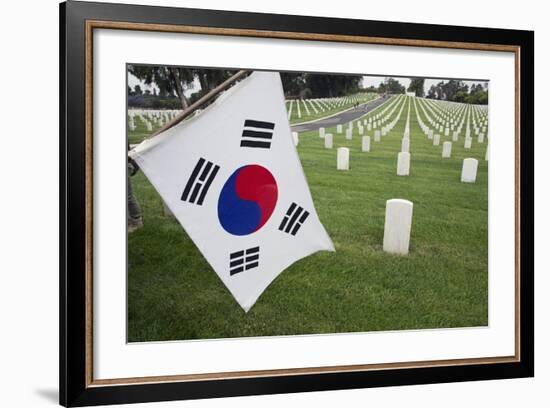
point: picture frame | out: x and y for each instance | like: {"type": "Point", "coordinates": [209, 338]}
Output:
{"type": "Point", "coordinates": [78, 20]}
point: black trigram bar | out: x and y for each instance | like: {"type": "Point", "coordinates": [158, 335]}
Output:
{"type": "Point", "coordinates": [257, 134]}
{"type": "Point", "coordinates": [294, 218]}
{"type": "Point", "coordinates": [199, 182]}
{"type": "Point", "coordinates": [243, 260]}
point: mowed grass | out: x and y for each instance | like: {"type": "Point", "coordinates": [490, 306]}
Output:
{"type": "Point", "coordinates": [173, 294]}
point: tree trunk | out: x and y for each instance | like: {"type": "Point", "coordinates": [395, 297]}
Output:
{"type": "Point", "coordinates": [179, 89]}
{"type": "Point", "coordinates": [205, 86]}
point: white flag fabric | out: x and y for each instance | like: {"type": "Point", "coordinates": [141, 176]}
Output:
{"type": "Point", "coordinates": [232, 177]}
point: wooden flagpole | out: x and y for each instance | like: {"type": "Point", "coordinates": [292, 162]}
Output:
{"type": "Point", "coordinates": [206, 98]}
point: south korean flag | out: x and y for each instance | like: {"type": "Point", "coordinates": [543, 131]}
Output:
{"type": "Point", "coordinates": [232, 177]}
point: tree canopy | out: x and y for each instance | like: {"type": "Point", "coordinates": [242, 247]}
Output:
{"type": "Point", "coordinates": [417, 86]}
{"type": "Point", "coordinates": [312, 85]}
{"type": "Point", "coordinates": [392, 86]}
{"type": "Point", "coordinates": [457, 91]}
{"type": "Point", "coordinates": [175, 81]}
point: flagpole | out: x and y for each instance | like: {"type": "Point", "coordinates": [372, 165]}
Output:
{"type": "Point", "coordinates": [206, 98]}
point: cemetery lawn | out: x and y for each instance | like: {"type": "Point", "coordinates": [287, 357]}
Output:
{"type": "Point", "coordinates": [173, 294]}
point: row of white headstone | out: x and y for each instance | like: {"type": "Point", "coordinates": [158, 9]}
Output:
{"type": "Point", "coordinates": [324, 104]}
{"type": "Point", "coordinates": [150, 118]}
{"type": "Point", "coordinates": [468, 175]}
{"type": "Point", "coordinates": [446, 122]}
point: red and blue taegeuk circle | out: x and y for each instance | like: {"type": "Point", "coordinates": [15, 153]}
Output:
{"type": "Point", "coordinates": [247, 200]}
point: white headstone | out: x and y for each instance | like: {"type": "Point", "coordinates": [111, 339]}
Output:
{"type": "Point", "coordinates": [321, 132]}
{"type": "Point", "coordinates": [446, 152]}
{"type": "Point", "coordinates": [338, 128]}
{"type": "Point", "coordinates": [447, 131]}
{"type": "Point", "coordinates": [436, 140]}
{"type": "Point", "coordinates": [403, 163]}
{"type": "Point", "coordinates": [342, 159]}
{"type": "Point", "coordinates": [376, 135]}
{"type": "Point", "coordinates": [455, 135]}
{"type": "Point", "coordinates": [487, 153]}
{"type": "Point", "coordinates": [328, 140]}
{"type": "Point", "coordinates": [397, 226]}
{"type": "Point", "coordinates": [369, 127]}
{"type": "Point", "coordinates": [296, 138]}
{"type": "Point", "coordinates": [469, 171]}
{"type": "Point", "coordinates": [365, 144]}
{"type": "Point", "coordinates": [349, 134]}
{"type": "Point", "coordinates": [361, 130]}
{"type": "Point", "coordinates": [430, 134]}
{"type": "Point", "coordinates": [480, 137]}
{"type": "Point", "coordinates": [405, 144]}
{"type": "Point", "coordinates": [467, 142]}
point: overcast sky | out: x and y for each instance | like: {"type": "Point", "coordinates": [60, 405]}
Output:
{"type": "Point", "coordinates": [367, 81]}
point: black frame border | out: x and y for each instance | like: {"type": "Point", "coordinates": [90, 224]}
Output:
{"type": "Point", "coordinates": [72, 123]}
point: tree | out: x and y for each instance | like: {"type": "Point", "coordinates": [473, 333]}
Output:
{"type": "Point", "coordinates": [461, 96]}
{"type": "Point", "coordinates": [479, 94]}
{"type": "Point", "coordinates": [476, 87]}
{"type": "Point", "coordinates": [293, 83]}
{"type": "Point", "coordinates": [137, 90]}
{"type": "Point", "coordinates": [311, 85]}
{"type": "Point", "coordinates": [451, 87]}
{"type": "Point", "coordinates": [392, 86]}
{"type": "Point", "coordinates": [172, 80]}
{"type": "Point", "coordinates": [178, 81]}
{"type": "Point", "coordinates": [448, 90]}
{"type": "Point", "coordinates": [417, 86]}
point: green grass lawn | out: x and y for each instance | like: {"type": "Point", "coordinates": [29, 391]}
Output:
{"type": "Point", "coordinates": [174, 294]}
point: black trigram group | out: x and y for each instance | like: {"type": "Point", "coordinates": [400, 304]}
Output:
{"type": "Point", "coordinates": [244, 260]}
{"type": "Point", "coordinates": [257, 134]}
{"type": "Point", "coordinates": [294, 219]}
{"type": "Point", "coordinates": [199, 182]}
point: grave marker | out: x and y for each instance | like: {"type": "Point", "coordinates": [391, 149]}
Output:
{"type": "Point", "coordinates": [365, 144]}
{"type": "Point", "coordinates": [446, 152]}
{"type": "Point", "coordinates": [296, 138]}
{"type": "Point", "coordinates": [397, 226]}
{"type": "Point", "coordinates": [328, 140]}
{"type": "Point", "coordinates": [405, 144]}
{"type": "Point", "coordinates": [342, 158]}
{"type": "Point", "coordinates": [403, 163]}
{"type": "Point", "coordinates": [469, 171]}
